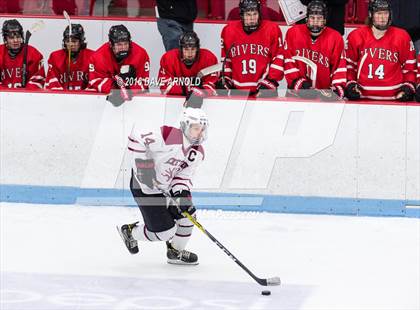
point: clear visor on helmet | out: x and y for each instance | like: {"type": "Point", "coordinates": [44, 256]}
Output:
{"type": "Point", "coordinates": [250, 20]}
{"type": "Point", "coordinates": [194, 132]}
{"type": "Point", "coordinates": [189, 54]}
{"type": "Point", "coordinates": [381, 19]}
{"type": "Point", "coordinates": [316, 22]}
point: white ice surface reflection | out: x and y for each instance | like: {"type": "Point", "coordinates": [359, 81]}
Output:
{"type": "Point", "coordinates": [71, 257]}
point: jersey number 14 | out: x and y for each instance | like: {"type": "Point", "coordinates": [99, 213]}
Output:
{"type": "Point", "coordinates": [379, 72]}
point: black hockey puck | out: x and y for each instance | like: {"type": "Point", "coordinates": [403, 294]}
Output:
{"type": "Point", "coordinates": [265, 293]}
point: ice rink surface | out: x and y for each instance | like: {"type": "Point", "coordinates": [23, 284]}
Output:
{"type": "Point", "coordinates": [71, 257]}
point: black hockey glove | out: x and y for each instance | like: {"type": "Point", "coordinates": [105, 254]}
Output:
{"type": "Point", "coordinates": [303, 88]}
{"type": "Point", "coordinates": [352, 91]}
{"type": "Point", "coordinates": [267, 88]}
{"type": "Point", "coordinates": [146, 173]}
{"type": "Point", "coordinates": [418, 93]}
{"type": "Point", "coordinates": [183, 202]}
{"type": "Point", "coordinates": [223, 89]}
{"type": "Point", "coordinates": [128, 74]}
{"type": "Point", "coordinates": [406, 93]}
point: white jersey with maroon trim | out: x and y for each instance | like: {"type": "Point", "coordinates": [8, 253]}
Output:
{"type": "Point", "coordinates": [175, 159]}
{"type": "Point", "coordinates": [327, 52]}
{"type": "Point", "coordinates": [380, 66]}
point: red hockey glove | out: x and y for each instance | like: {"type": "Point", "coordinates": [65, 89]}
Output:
{"type": "Point", "coordinates": [303, 88]}
{"type": "Point", "coordinates": [267, 88]}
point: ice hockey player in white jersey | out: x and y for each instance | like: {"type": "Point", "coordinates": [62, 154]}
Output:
{"type": "Point", "coordinates": [164, 162]}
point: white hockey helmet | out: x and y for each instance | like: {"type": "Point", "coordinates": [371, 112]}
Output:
{"type": "Point", "coordinates": [191, 117]}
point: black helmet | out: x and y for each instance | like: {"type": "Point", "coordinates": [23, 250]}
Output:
{"type": "Point", "coordinates": [189, 39]}
{"type": "Point", "coordinates": [10, 28]}
{"type": "Point", "coordinates": [376, 6]}
{"type": "Point", "coordinates": [316, 7]}
{"type": "Point", "coordinates": [77, 32]}
{"type": "Point", "coordinates": [246, 6]}
{"type": "Point", "coordinates": [119, 33]}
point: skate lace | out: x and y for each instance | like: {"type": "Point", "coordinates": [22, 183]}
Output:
{"type": "Point", "coordinates": [184, 254]}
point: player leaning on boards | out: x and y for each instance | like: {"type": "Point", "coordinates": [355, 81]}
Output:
{"type": "Point", "coordinates": [120, 65]}
{"type": "Point", "coordinates": [381, 60]}
{"type": "Point", "coordinates": [320, 52]}
{"type": "Point", "coordinates": [70, 74]}
{"type": "Point", "coordinates": [253, 54]}
{"type": "Point", "coordinates": [164, 163]}
{"type": "Point", "coordinates": [180, 67]}
{"type": "Point", "coordinates": [15, 56]}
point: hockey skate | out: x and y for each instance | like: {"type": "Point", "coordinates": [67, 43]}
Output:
{"type": "Point", "coordinates": [127, 237]}
{"type": "Point", "coordinates": [180, 257]}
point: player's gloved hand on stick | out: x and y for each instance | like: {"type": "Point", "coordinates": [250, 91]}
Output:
{"type": "Point", "coordinates": [183, 201]}
{"type": "Point", "coordinates": [331, 94]}
{"type": "Point", "coordinates": [146, 173]}
{"type": "Point", "coordinates": [267, 88]}
{"type": "Point", "coordinates": [406, 93]}
{"type": "Point", "coordinates": [352, 91]}
{"type": "Point", "coordinates": [418, 93]}
{"type": "Point", "coordinates": [223, 86]}
{"type": "Point", "coordinates": [128, 72]}
{"type": "Point", "coordinates": [303, 89]}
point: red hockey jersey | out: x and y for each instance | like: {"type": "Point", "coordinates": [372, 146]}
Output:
{"type": "Point", "coordinates": [380, 66]}
{"type": "Point", "coordinates": [326, 52]}
{"type": "Point", "coordinates": [11, 69]}
{"type": "Point", "coordinates": [60, 76]}
{"type": "Point", "coordinates": [418, 69]}
{"type": "Point", "coordinates": [171, 67]}
{"type": "Point", "coordinates": [250, 58]}
{"type": "Point", "coordinates": [104, 67]}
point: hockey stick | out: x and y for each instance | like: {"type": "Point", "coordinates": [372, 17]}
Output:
{"type": "Point", "coordinates": [34, 28]}
{"type": "Point", "coordinates": [210, 70]}
{"type": "Point", "coordinates": [67, 17]}
{"type": "Point", "coordinates": [120, 83]}
{"type": "Point", "coordinates": [224, 64]}
{"type": "Point", "coordinates": [265, 282]}
{"type": "Point", "coordinates": [362, 61]}
{"type": "Point", "coordinates": [311, 65]}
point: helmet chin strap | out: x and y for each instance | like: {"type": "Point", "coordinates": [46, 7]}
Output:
{"type": "Point", "coordinates": [250, 29]}
{"type": "Point", "coordinates": [120, 56]}
{"type": "Point", "coordinates": [381, 28]}
{"type": "Point", "coordinates": [316, 30]}
{"type": "Point", "coordinates": [13, 52]}
{"type": "Point", "coordinates": [188, 62]}
{"type": "Point", "coordinates": [73, 54]}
